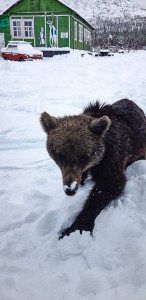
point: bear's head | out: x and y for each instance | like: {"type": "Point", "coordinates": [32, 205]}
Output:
{"type": "Point", "coordinates": [76, 144]}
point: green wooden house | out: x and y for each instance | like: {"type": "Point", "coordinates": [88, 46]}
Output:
{"type": "Point", "coordinates": [46, 24]}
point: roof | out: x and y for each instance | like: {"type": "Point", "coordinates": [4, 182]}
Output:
{"type": "Point", "coordinates": [5, 6]}
{"type": "Point", "coordinates": [82, 17]}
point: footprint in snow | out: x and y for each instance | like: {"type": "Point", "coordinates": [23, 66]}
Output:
{"type": "Point", "coordinates": [36, 197]}
{"type": "Point", "coordinates": [47, 223]}
{"type": "Point", "coordinates": [30, 218]}
{"type": "Point", "coordinates": [2, 192]}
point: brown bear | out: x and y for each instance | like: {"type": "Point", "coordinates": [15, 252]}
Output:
{"type": "Point", "coordinates": [102, 141]}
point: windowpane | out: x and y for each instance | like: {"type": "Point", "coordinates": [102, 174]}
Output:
{"type": "Point", "coordinates": [16, 28]}
{"type": "Point", "coordinates": [17, 23]}
{"type": "Point", "coordinates": [28, 31]}
{"type": "Point", "coordinates": [80, 33]}
{"type": "Point", "coordinates": [75, 30]}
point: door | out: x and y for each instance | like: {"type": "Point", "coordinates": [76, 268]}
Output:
{"type": "Point", "coordinates": [63, 31]}
{"type": "Point", "coordinates": [39, 29]}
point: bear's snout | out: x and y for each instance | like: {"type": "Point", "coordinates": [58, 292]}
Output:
{"type": "Point", "coordinates": [71, 189]}
{"type": "Point", "coordinates": [71, 180]}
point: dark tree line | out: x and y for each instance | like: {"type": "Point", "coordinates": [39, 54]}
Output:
{"type": "Point", "coordinates": [127, 33]}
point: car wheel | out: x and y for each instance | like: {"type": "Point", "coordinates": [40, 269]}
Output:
{"type": "Point", "coordinates": [21, 58]}
{"type": "Point", "coordinates": [6, 58]}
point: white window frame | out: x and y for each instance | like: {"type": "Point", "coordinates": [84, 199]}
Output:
{"type": "Point", "coordinates": [22, 27]}
{"type": "Point", "coordinates": [80, 33]}
{"type": "Point", "coordinates": [89, 37]}
{"type": "Point", "coordinates": [75, 30]}
{"type": "Point", "coordinates": [27, 28]}
{"type": "Point", "coordinates": [18, 28]}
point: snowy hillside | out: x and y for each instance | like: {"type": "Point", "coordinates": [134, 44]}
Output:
{"type": "Point", "coordinates": [34, 264]}
{"type": "Point", "coordinates": [107, 9]}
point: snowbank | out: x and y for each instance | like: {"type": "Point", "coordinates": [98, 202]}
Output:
{"type": "Point", "coordinates": [34, 264]}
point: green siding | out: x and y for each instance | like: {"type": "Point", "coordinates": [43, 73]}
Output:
{"type": "Point", "coordinates": [43, 11]}
{"type": "Point", "coordinates": [4, 22]}
{"type": "Point", "coordinates": [30, 41]}
{"type": "Point", "coordinates": [53, 6]}
{"type": "Point", "coordinates": [25, 6]}
{"type": "Point", "coordinates": [5, 28]}
{"type": "Point", "coordinates": [75, 44]}
{"type": "Point", "coordinates": [39, 22]}
{"type": "Point", "coordinates": [63, 27]}
{"type": "Point", "coordinates": [72, 32]}
{"type": "Point", "coordinates": [39, 6]}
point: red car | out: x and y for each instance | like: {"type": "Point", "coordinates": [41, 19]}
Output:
{"type": "Point", "coordinates": [20, 51]}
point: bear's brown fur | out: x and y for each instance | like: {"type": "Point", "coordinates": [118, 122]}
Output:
{"type": "Point", "coordinates": [102, 141]}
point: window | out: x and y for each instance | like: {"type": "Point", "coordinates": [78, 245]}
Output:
{"type": "Point", "coordinates": [87, 36]}
{"type": "Point", "coordinates": [17, 29]}
{"type": "Point", "coordinates": [75, 30]}
{"type": "Point", "coordinates": [22, 29]}
{"type": "Point", "coordinates": [80, 33]}
{"type": "Point", "coordinates": [28, 30]}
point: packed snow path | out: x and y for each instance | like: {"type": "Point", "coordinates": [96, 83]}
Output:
{"type": "Point", "coordinates": [34, 264]}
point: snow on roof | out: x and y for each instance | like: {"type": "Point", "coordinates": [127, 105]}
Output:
{"type": "Point", "coordinates": [6, 4]}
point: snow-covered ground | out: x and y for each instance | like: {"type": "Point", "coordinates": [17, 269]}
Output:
{"type": "Point", "coordinates": [34, 264]}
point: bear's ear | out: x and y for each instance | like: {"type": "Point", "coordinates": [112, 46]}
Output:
{"type": "Point", "coordinates": [47, 122]}
{"type": "Point", "coordinates": [100, 126]}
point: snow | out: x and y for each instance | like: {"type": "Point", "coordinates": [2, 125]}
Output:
{"type": "Point", "coordinates": [106, 9]}
{"type": "Point", "coordinates": [90, 9]}
{"type": "Point", "coordinates": [6, 4]}
{"type": "Point", "coordinates": [22, 48]}
{"type": "Point", "coordinates": [72, 186]}
{"type": "Point", "coordinates": [34, 264]}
